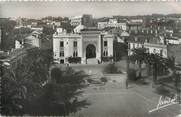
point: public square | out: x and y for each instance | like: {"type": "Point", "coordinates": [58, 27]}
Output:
{"type": "Point", "coordinates": [90, 58]}
{"type": "Point", "coordinates": [114, 100]}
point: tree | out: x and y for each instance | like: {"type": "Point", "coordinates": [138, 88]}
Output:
{"type": "Point", "coordinates": [24, 83]}
{"type": "Point", "coordinates": [71, 80]}
{"type": "Point", "coordinates": [104, 80]}
{"type": "Point", "coordinates": [177, 77]}
{"type": "Point", "coordinates": [21, 33]}
{"type": "Point", "coordinates": [66, 25]}
{"type": "Point", "coordinates": [47, 37]}
{"type": "Point", "coordinates": [41, 55]}
{"type": "Point", "coordinates": [138, 56]}
{"type": "Point", "coordinates": [156, 62]}
{"type": "Point", "coordinates": [111, 68]}
{"type": "Point", "coordinates": [13, 94]}
{"type": "Point", "coordinates": [18, 88]}
{"type": "Point", "coordinates": [117, 53]}
{"type": "Point", "coordinates": [62, 92]}
{"type": "Point", "coordinates": [48, 31]}
{"type": "Point", "coordinates": [7, 27]}
{"type": "Point", "coordinates": [176, 71]}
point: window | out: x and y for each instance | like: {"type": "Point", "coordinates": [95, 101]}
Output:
{"type": "Point", "coordinates": [165, 53]}
{"type": "Point", "coordinates": [133, 45]}
{"type": "Point", "coordinates": [61, 61]}
{"type": "Point", "coordinates": [105, 43]}
{"type": "Point", "coordinates": [75, 54]}
{"type": "Point", "coordinates": [105, 53]}
{"type": "Point", "coordinates": [142, 46]}
{"type": "Point", "coordinates": [61, 44]}
{"type": "Point", "coordinates": [154, 51]}
{"type": "Point", "coordinates": [75, 43]}
{"type": "Point", "coordinates": [161, 52]}
{"type": "Point", "coordinates": [61, 53]}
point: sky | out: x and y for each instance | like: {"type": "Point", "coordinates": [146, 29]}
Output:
{"type": "Point", "coordinates": [97, 9]}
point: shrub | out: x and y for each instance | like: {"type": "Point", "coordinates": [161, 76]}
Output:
{"type": "Point", "coordinates": [132, 75]}
{"type": "Point", "coordinates": [161, 90]}
{"type": "Point", "coordinates": [107, 59]}
{"type": "Point", "coordinates": [111, 68]}
{"type": "Point", "coordinates": [74, 59]}
{"type": "Point", "coordinates": [104, 80]}
{"type": "Point", "coordinates": [91, 81]}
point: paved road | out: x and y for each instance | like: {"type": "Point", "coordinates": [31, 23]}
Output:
{"type": "Point", "coordinates": [112, 100]}
{"type": "Point", "coordinates": [97, 69]}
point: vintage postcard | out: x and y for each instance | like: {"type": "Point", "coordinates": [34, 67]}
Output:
{"type": "Point", "coordinates": [90, 58]}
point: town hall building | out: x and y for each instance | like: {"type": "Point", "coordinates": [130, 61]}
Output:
{"type": "Point", "coordinates": [89, 46]}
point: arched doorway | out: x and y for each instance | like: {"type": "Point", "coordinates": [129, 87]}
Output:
{"type": "Point", "coordinates": [91, 51]}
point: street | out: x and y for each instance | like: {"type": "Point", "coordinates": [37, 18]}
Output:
{"type": "Point", "coordinates": [114, 101]}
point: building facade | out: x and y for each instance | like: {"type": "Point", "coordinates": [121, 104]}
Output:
{"type": "Point", "coordinates": [33, 39]}
{"type": "Point", "coordinates": [160, 49]}
{"type": "Point", "coordinates": [112, 23]}
{"type": "Point", "coordinates": [85, 20]}
{"type": "Point", "coordinates": [90, 44]}
{"type": "Point", "coordinates": [154, 45]}
{"type": "Point", "coordinates": [0, 37]}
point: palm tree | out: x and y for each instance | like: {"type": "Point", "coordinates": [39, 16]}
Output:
{"type": "Point", "coordinates": [66, 85]}
{"type": "Point", "coordinates": [156, 62]}
{"type": "Point", "coordinates": [22, 84]}
{"type": "Point", "coordinates": [138, 56]}
{"type": "Point", "coordinates": [14, 91]}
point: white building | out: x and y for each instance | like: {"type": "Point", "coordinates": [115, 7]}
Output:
{"type": "Point", "coordinates": [157, 49]}
{"type": "Point", "coordinates": [112, 23]}
{"type": "Point", "coordinates": [79, 28]}
{"type": "Point", "coordinates": [37, 28]}
{"type": "Point", "coordinates": [84, 19]}
{"type": "Point", "coordinates": [56, 23]}
{"type": "Point", "coordinates": [174, 40]}
{"type": "Point", "coordinates": [33, 39]}
{"type": "Point", "coordinates": [154, 45]}
{"type": "Point", "coordinates": [136, 20]}
{"type": "Point", "coordinates": [19, 44]}
{"type": "Point", "coordinates": [135, 42]}
{"type": "Point", "coordinates": [90, 44]}
{"type": "Point", "coordinates": [102, 25]}
{"type": "Point", "coordinates": [0, 36]}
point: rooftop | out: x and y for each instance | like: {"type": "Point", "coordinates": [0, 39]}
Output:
{"type": "Point", "coordinates": [70, 35]}
{"type": "Point", "coordinates": [138, 38]}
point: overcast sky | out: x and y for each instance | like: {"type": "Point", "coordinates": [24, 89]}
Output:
{"type": "Point", "coordinates": [97, 9]}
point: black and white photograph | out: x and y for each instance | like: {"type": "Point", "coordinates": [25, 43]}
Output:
{"type": "Point", "coordinates": [90, 58]}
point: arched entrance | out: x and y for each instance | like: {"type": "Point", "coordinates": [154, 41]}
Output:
{"type": "Point", "coordinates": [91, 51]}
